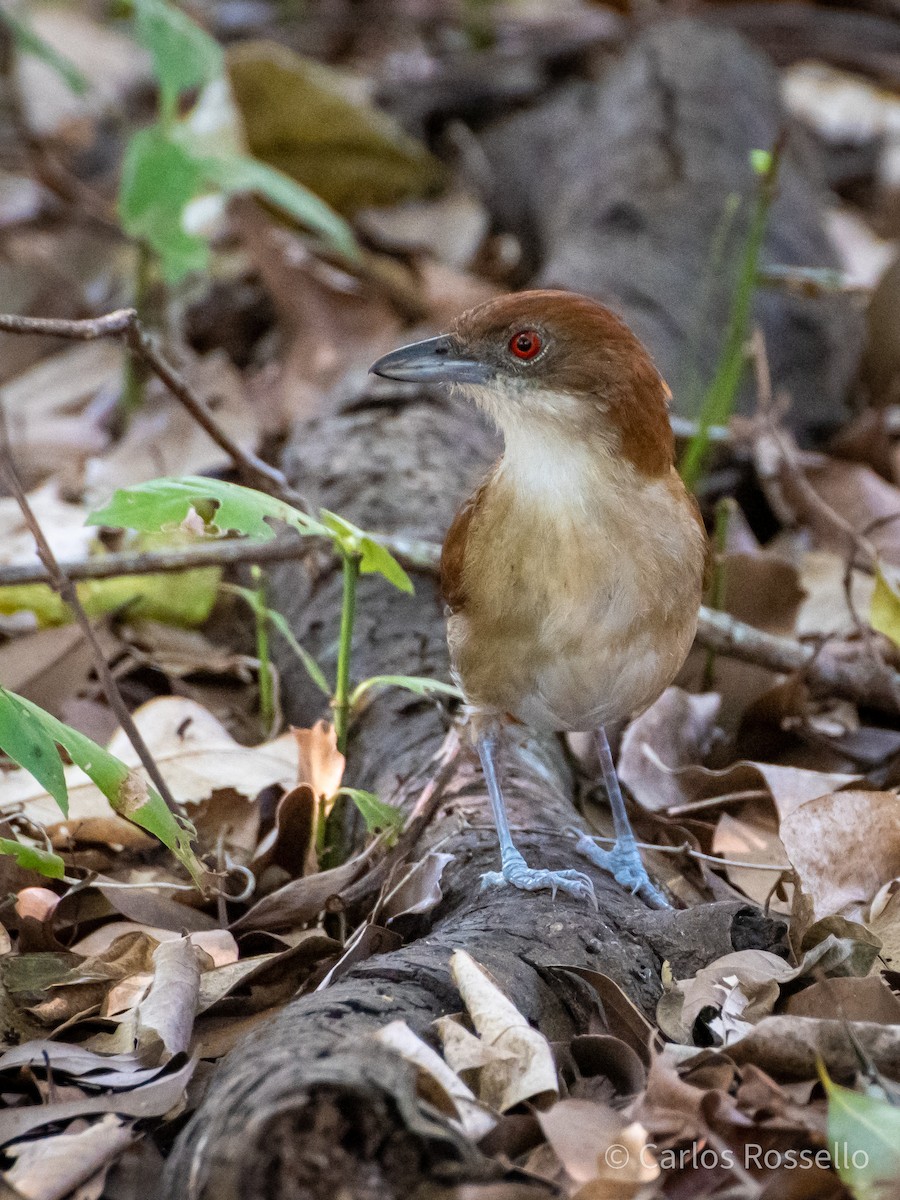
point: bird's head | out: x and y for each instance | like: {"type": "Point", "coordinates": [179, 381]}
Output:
{"type": "Point", "coordinates": [550, 364]}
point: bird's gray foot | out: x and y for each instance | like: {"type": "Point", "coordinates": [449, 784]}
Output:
{"type": "Point", "coordinates": [515, 872]}
{"type": "Point", "coordinates": [624, 863]}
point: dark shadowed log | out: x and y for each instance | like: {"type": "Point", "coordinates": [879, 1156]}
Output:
{"type": "Point", "coordinates": [620, 189]}
{"type": "Point", "coordinates": [307, 1107]}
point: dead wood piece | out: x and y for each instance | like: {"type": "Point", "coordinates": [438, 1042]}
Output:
{"type": "Point", "coordinates": [639, 189]}
{"type": "Point", "coordinates": [307, 1078]}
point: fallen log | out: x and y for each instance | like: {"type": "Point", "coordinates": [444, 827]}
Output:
{"type": "Point", "coordinates": [639, 189]}
{"type": "Point", "coordinates": [309, 1106]}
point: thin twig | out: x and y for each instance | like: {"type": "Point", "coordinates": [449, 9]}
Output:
{"type": "Point", "coordinates": [684, 848]}
{"type": "Point", "coordinates": [224, 552]}
{"type": "Point", "coordinates": [124, 323]}
{"type": "Point", "coordinates": [67, 591]}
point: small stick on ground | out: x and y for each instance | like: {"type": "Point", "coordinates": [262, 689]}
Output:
{"type": "Point", "coordinates": [66, 589]}
{"type": "Point", "coordinates": [124, 323]}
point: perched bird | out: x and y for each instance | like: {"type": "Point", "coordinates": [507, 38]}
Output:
{"type": "Point", "coordinates": [573, 574]}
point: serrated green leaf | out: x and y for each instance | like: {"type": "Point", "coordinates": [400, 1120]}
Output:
{"type": "Point", "coordinates": [28, 42]}
{"type": "Point", "coordinates": [241, 173]}
{"type": "Point", "coordinates": [374, 558]}
{"type": "Point", "coordinates": [224, 508]}
{"type": "Point", "coordinates": [884, 613]}
{"type": "Point", "coordinates": [376, 814]}
{"type": "Point", "coordinates": [30, 858]}
{"type": "Point", "coordinates": [125, 789]}
{"type": "Point", "coordinates": [184, 55]}
{"type": "Point", "coordinates": [864, 1140]}
{"type": "Point", "coordinates": [417, 684]}
{"type": "Point", "coordinates": [159, 179]}
{"type": "Point", "coordinates": [27, 742]}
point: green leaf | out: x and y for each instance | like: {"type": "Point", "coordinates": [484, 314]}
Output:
{"type": "Point", "coordinates": [417, 684]}
{"type": "Point", "coordinates": [884, 613]}
{"type": "Point", "coordinates": [864, 1140]}
{"type": "Point", "coordinates": [30, 858]}
{"type": "Point", "coordinates": [241, 173]}
{"type": "Point", "coordinates": [313, 670]}
{"type": "Point", "coordinates": [184, 55]}
{"type": "Point", "coordinates": [125, 789]}
{"type": "Point", "coordinates": [28, 42]}
{"type": "Point", "coordinates": [376, 814]}
{"type": "Point", "coordinates": [159, 178]}
{"type": "Point", "coordinates": [374, 559]}
{"type": "Point", "coordinates": [27, 742]}
{"type": "Point", "coordinates": [277, 619]}
{"type": "Point", "coordinates": [223, 507]}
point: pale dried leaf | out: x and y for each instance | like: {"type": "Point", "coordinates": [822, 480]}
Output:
{"type": "Point", "coordinates": [596, 1144]}
{"type": "Point", "coordinates": [531, 1071]}
{"type": "Point", "coordinates": [844, 846]}
{"type": "Point", "coordinates": [51, 1167]}
{"type": "Point", "coordinates": [474, 1121]}
{"type": "Point", "coordinates": [164, 1020]}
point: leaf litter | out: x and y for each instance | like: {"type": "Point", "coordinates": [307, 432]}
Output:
{"type": "Point", "coordinates": [120, 981]}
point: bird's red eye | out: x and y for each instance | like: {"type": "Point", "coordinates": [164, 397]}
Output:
{"type": "Point", "coordinates": [525, 344]}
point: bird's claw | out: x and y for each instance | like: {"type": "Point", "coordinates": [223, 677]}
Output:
{"type": "Point", "coordinates": [516, 873]}
{"type": "Point", "coordinates": [624, 863]}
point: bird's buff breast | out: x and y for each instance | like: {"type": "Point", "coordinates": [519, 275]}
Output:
{"type": "Point", "coordinates": [575, 621]}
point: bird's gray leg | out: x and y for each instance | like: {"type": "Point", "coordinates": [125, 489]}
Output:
{"type": "Point", "coordinates": [624, 860]}
{"type": "Point", "coordinates": [513, 868]}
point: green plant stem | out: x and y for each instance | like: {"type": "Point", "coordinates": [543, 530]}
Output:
{"type": "Point", "coordinates": [718, 401]}
{"type": "Point", "coordinates": [350, 564]}
{"type": "Point", "coordinates": [263, 655]}
{"type": "Point", "coordinates": [716, 596]}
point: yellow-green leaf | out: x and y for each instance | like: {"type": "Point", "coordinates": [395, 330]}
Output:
{"type": "Point", "coordinates": [864, 1140]}
{"type": "Point", "coordinates": [298, 118]}
{"type": "Point", "coordinates": [884, 614]}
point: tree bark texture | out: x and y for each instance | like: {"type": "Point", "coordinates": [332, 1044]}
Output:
{"type": "Point", "coordinates": [307, 1106]}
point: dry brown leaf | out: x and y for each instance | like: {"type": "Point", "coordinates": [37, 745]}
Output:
{"type": "Point", "coordinates": [471, 1117]}
{"type": "Point", "coordinates": [302, 900]}
{"type": "Point", "coordinates": [844, 846]}
{"type": "Point", "coordinates": [852, 999]}
{"type": "Point", "coordinates": [164, 1019]}
{"type": "Point", "coordinates": [319, 762]}
{"type": "Point", "coordinates": [755, 841]}
{"type": "Point", "coordinates": [788, 786]}
{"type": "Point", "coordinates": [218, 944]}
{"type": "Point", "coordinates": [744, 985]}
{"type": "Point", "coordinates": [859, 495]}
{"type": "Point", "coordinates": [885, 924]}
{"type": "Point", "coordinates": [527, 1070]}
{"type": "Point", "coordinates": [164, 439]}
{"type": "Point", "coordinates": [603, 1153]}
{"type": "Point", "coordinates": [419, 888]}
{"type": "Point", "coordinates": [677, 731]}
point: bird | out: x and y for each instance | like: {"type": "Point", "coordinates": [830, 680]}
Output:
{"type": "Point", "coordinates": [573, 575]}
